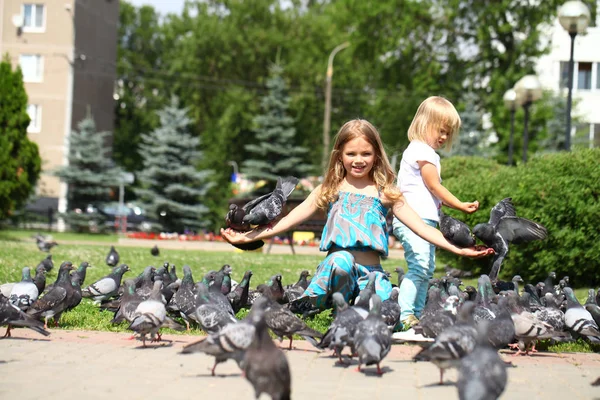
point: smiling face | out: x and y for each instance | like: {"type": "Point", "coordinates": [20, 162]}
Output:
{"type": "Point", "coordinates": [358, 158]}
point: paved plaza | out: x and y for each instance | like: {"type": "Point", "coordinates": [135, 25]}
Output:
{"type": "Point", "coordinates": [101, 365]}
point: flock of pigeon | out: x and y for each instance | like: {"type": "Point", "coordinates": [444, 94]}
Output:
{"type": "Point", "coordinates": [460, 328]}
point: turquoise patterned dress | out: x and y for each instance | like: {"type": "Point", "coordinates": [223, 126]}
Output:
{"type": "Point", "coordinates": [354, 222]}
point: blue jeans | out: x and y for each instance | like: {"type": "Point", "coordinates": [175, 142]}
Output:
{"type": "Point", "coordinates": [420, 256]}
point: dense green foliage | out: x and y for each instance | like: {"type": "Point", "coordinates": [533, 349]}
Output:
{"type": "Point", "coordinates": [20, 162]}
{"type": "Point", "coordinates": [216, 55]}
{"type": "Point", "coordinates": [560, 191]}
{"type": "Point", "coordinates": [171, 188]}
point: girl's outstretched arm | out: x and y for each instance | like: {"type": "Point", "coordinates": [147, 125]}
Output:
{"type": "Point", "coordinates": [432, 181]}
{"type": "Point", "coordinates": [299, 214]}
{"type": "Point", "coordinates": [410, 218]}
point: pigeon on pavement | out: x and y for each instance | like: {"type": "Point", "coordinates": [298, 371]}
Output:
{"type": "Point", "coordinates": [12, 316]}
{"type": "Point", "coordinates": [482, 373]}
{"type": "Point", "coordinates": [24, 293]}
{"type": "Point", "coordinates": [504, 228]}
{"type": "Point", "coordinates": [390, 309]}
{"type": "Point", "coordinates": [128, 304]}
{"type": "Point", "coordinates": [265, 366]}
{"type": "Point", "coordinates": [112, 258]}
{"type": "Point", "coordinates": [456, 232]}
{"type": "Point", "coordinates": [372, 338]}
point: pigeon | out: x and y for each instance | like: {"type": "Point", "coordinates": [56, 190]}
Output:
{"type": "Point", "coordinates": [211, 316]}
{"type": "Point", "coordinates": [128, 304]}
{"type": "Point", "coordinates": [154, 251]}
{"type": "Point", "coordinates": [579, 320]}
{"type": "Point", "coordinates": [283, 322]}
{"type": "Point", "coordinates": [106, 287]}
{"type": "Point", "coordinates": [499, 285]}
{"type": "Point", "coordinates": [24, 293]}
{"type": "Point", "coordinates": [436, 318]}
{"type": "Point", "coordinates": [147, 283]}
{"type": "Point", "coordinates": [501, 330]}
{"type": "Point", "coordinates": [40, 278]}
{"type": "Point", "coordinates": [57, 300]}
{"type": "Point", "coordinates": [485, 308]}
{"type": "Point", "coordinates": [231, 342]}
{"type": "Point", "coordinates": [548, 283]}
{"type": "Point", "coordinates": [276, 288]}
{"type": "Point", "coordinates": [47, 263]}
{"type": "Point", "coordinates": [112, 258]}
{"type": "Point", "coordinates": [78, 275]}
{"type": "Point", "coordinates": [293, 292]}
{"type": "Point", "coordinates": [453, 343]}
{"type": "Point", "coordinates": [390, 309]}
{"type": "Point", "coordinates": [150, 315]}
{"type": "Point", "coordinates": [456, 232]}
{"type": "Point", "coordinates": [44, 244]}
{"type": "Point", "coordinates": [372, 338]}
{"type": "Point", "coordinates": [456, 273]}
{"type": "Point", "coordinates": [400, 272]}
{"type": "Point", "coordinates": [261, 211]}
{"type": "Point", "coordinates": [482, 373]}
{"type": "Point", "coordinates": [185, 297]}
{"type": "Point", "coordinates": [341, 331]}
{"type": "Point", "coordinates": [13, 316]}
{"type": "Point", "coordinates": [265, 366]}
{"type": "Point", "coordinates": [503, 228]}
{"type": "Point", "coordinates": [225, 272]}
{"type": "Point", "coordinates": [238, 297]}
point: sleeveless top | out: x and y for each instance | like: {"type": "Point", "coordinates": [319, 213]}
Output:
{"type": "Point", "coordinates": [356, 222]}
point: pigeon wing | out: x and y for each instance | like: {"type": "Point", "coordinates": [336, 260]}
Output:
{"type": "Point", "coordinates": [520, 230]}
{"type": "Point", "coordinates": [504, 208]}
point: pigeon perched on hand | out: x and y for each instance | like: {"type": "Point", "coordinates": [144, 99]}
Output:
{"type": "Point", "coordinates": [456, 232]}
{"type": "Point", "coordinates": [112, 258]}
{"type": "Point", "coordinates": [261, 211]}
{"type": "Point", "coordinates": [503, 228]}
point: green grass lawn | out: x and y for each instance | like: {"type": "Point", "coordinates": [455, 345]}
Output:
{"type": "Point", "coordinates": [17, 249]}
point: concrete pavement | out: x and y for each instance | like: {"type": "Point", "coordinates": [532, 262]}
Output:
{"type": "Point", "coordinates": [101, 365]}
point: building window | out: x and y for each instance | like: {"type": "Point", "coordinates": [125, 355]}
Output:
{"type": "Point", "coordinates": [584, 75]}
{"type": "Point", "coordinates": [35, 113]}
{"type": "Point", "coordinates": [33, 17]}
{"type": "Point", "coordinates": [32, 67]}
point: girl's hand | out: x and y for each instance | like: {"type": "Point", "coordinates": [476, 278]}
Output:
{"type": "Point", "coordinates": [477, 251]}
{"type": "Point", "coordinates": [236, 237]}
{"type": "Point", "coordinates": [470, 208]}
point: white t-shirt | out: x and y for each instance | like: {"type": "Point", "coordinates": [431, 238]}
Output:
{"type": "Point", "coordinates": [411, 182]}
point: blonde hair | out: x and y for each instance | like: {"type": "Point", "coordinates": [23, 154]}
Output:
{"type": "Point", "coordinates": [433, 114]}
{"type": "Point", "coordinates": [382, 173]}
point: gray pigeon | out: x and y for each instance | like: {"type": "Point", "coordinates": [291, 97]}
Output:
{"type": "Point", "coordinates": [503, 228]}
{"type": "Point", "coordinates": [128, 304]}
{"type": "Point", "coordinates": [40, 278]}
{"type": "Point", "coordinates": [238, 297]}
{"type": "Point", "coordinates": [452, 344]}
{"type": "Point", "coordinates": [24, 293]}
{"type": "Point", "coordinates": [107, 287]}
{"type": "Point", "coordinates": [501, 330]}
{"type": "Point", "coordinates": [11, 316]}
{"type": "Point", "coordinates": [578, 319]}
{"type": "Point", "coordinates": [341, 331]}
{"type": "Point", "coordinates": [456, 232]}
{"type": "Point", "coordinates": [47, 263]}
{"type": "Point", "coordinates": [400, 272]}
{"type": "Point", "coordinates": [264, 364]}
{"type": "Point", "coordinates": [112, 258]}
{"type": "Point", "coordinates": [372, 338]}
{"type": "Point", "coordinates": [211, 316]}
{"type": "Point", "coordinates": [185, 297]}
{"type": "Point", "coordinates": [57, 300]}
{"type": "Point", "coordinates": [231, 342]}
{"type": "Point", "coordinates": [44, 244]}
{"type": "Point", "coordinates": [482, 373]}
{"type": "Point", "coordinates": [79, 274]}
{"type": "Point", "coordinates": [150, 315]}
{"type": "Point", "coordinates": [436, 318]}
{"type": "Point", "coordinates": [390, 309]}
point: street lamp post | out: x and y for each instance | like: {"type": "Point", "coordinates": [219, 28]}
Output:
{"type": "Point", "coordinates": [327, 116]}
{"type": "Point", "coordinates": [574, 16]}
{"type": "Point", "coordinates": [528, 90]}
{"type": "Point", "coordinates": [510, 101]}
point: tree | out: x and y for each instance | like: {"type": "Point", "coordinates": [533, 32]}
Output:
{"type": "Point", "coordinates": [171, 188]}
{"type": "Point", "coordinates": [20, 162]}
{"type": "Point", "coordinates": [472, 139]}
{"type": "Point", "coordinates": [90, 175]}
{"type": "Point", "coordinates": [273, 152]}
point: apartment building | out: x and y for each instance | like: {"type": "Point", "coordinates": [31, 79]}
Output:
{"type": "Point", "coordinates": [553, 69]}
{"type": "Point", "coordinates": [67, 51]}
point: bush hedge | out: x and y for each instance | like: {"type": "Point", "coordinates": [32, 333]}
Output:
{"type": "Point", "coordinates": [560, 191]}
